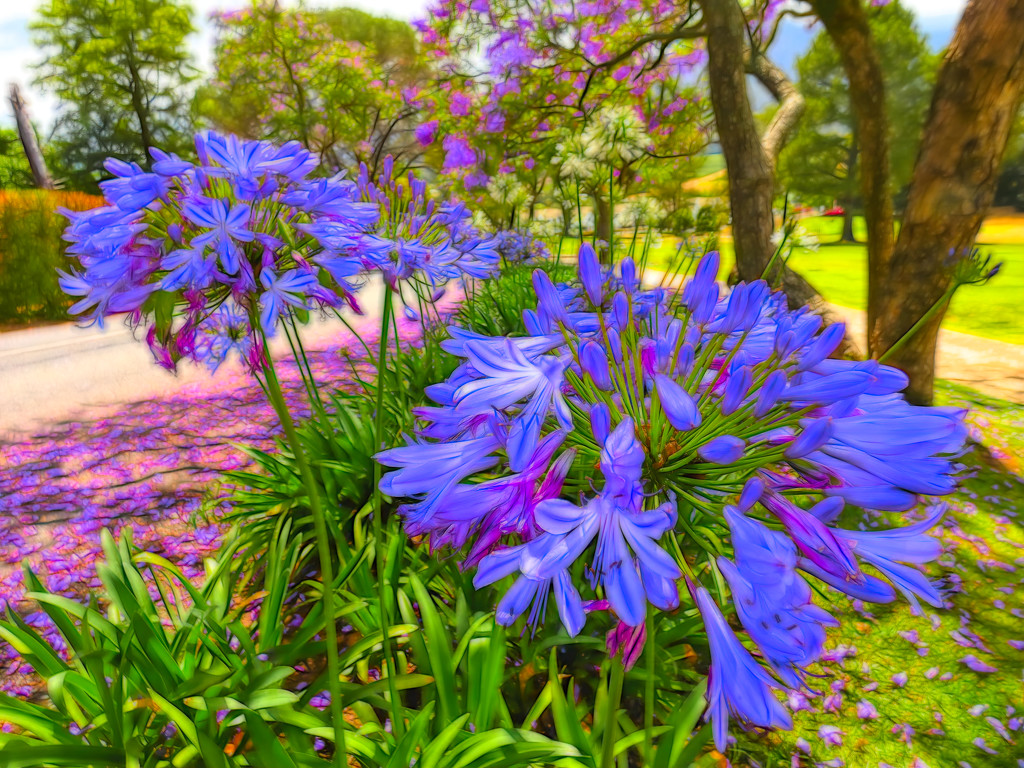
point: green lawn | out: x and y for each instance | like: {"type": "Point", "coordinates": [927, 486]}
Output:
{"type": "Point", "coordinates": [704, 165]}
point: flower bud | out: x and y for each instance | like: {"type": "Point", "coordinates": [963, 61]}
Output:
{"type": "Point", "coordinates": [629, 279]}
{"type": "Point", "coordinates": [702, 282]}
{"type": "Point", "coordinates": [814, 435]}
{"type": "Point", "coordinates": [533, 324]}
{"type": "Point", "coordinates": [679, 407]}
{"type": "Point", "coordinates": [620, 310]}
{"type": "Point", "coordinates": [704, 309]}
{"type": "Point", "coordinates": [736, 389]}
{"type": "Point", "coordinates": [752, 492]}
{"type": "Point", "coordinates": [769, 393]}
{"type": "Point", "coordinates": [590, 274]}
{"type": "Point", "coordinates": [594, 363]}
{"type": "Point", "coordinates": [600, 422]}
{"type": "Point", "coordinates": [724, 449]}
{"type": "Point", "coordinates": [828, 389]}
{"type": "Point", "coordinates": [822, 347]}
{"type": "Point", "coordinates": [827, 510]}
{"type": "Point", "coordinates": [685, 361]}
{"type": "Point", "coordinates": [615, 345]}
{"type": "Point", "coordinates": [547, 297]}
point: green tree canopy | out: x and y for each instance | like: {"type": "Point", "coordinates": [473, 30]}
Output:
{"type": "Point", "coordinates": [343, 82]}
{"type": "Point", "coordinates": [820, 163]}
{"type": "Point", "coordinates": [14, 170]}
{"type": "Point", "coordinates": [120, 70]}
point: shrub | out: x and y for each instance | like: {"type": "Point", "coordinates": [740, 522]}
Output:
{"type": "Point", "coordinates": [709, 219]}
{"type": "Point", "coordinates": [31, 251]}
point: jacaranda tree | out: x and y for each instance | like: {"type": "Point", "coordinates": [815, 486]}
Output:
{"type": "Point", "coordinates": [584, 94]}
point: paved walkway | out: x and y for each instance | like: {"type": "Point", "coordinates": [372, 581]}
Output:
{"type": "Point", "coordinates": [60, 372]}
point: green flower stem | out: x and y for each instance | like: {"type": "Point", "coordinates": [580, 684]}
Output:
{"type": "Point", "coordinates": [614, 697]}
{"type": "Point", "coordinates": [645, 253]}
{"type": "Point", "coordinates": [323, 545]}
{"type": "Point", "coordinates": [579, 210]}
{"type": "Point", "coordinates": [632, 243]}
{"type": "Point", "coordinates": [398, 360]}
{"type": "Point", "coordinates": [611, 214]}
{"type": "Point", "coordinates": [359, 338]}
{"type": "Point", "coordinates": [943, 299]}
{"type": "Point", "coordinates": [702, 542]}
{"type": "Point", "coordinates": [305, 369]}
{"type": "Point", "coordinates": [397, 716]}
{"type": "Point", "coordinates": [649, 693]}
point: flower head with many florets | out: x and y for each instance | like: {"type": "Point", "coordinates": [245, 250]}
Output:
{"type": "Point", "coordinates": [641, 444]}
{"type": "Point", "coordinates": [215, 255]}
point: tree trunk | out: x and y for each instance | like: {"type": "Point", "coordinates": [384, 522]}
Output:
{"type": "Point", "coordinates": [749, 159]}
{"type": "Point", "coordinates": [27, 134]}
{"type": "Point", "coordinates": [751, 183]}
{"type": "Point", "coordinates": [140, 106]}
{"type": "Point", "coordinates": [847, 24]}
{"type": "Point", "coordinates": [850, 198]}
{"type": "Point", "coordinates": [847, 235]}
{"type": "Point", "coordinates": [568, 220]}
{"type": "Point", "coordinates": [976, 98]}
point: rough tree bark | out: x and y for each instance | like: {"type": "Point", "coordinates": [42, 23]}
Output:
{"type": "Point", "coordinates": [749, 157]}
{"type": "Point", "coordinates": [751, 182]}
{"type": "Point", "coordinates": [27, 134]}
{"type": "Point", "coordinates": [791, 105]}
{"type": "Point", "coordinates": [847, 24]}
{"type": "Point", "coordinates": [976, 98]}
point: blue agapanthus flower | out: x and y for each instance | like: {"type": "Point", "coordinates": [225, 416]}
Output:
{"type": "Point", "coordinates": [515, 247]}
{"type": "Point", "coordinates": [638, 435]}
{"type": "Point", "coordinates": [419, 239]}
{"type": "Point", "coordinates": [254, 228]}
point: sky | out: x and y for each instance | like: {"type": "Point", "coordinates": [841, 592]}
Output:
{"type": "Point", "coordinates": [17, 54]}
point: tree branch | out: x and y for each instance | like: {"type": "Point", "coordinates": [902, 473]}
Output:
{"type": "Point", "coordinates": [791, 103]}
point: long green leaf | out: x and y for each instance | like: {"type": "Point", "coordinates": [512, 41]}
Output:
{"type": "Point", "coordinates": [439, 651]}
{"type": "Point", "coordinates": [32, 756]}
{"type": "Point", "coordinates": [567, 724]}
{"type": "Point", "coordinates": [268, 747]}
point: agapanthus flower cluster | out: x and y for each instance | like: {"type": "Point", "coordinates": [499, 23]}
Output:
{"type": "Point", "coordinates": [420, 239]}
{"type": "Point", "coordinates": [214, 255]}
{"type": "Point", "coordinates": [516, 247]}
{"type": "Point", "coordinates": [653, 446]}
